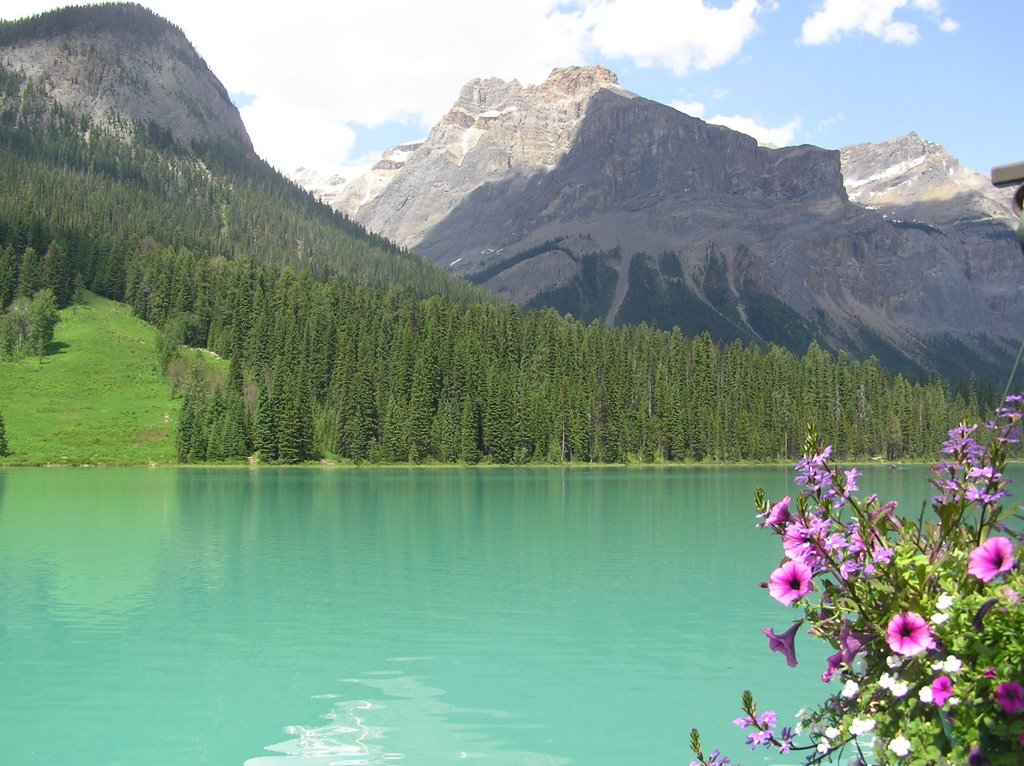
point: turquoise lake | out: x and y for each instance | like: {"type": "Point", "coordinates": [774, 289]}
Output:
{"type": "Point", "coordinates": [284, 617]}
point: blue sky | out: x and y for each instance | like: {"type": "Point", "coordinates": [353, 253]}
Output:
{"type": "Point", "coordinates": [331, 85]}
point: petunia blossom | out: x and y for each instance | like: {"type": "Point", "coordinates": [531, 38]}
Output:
{"type": "Point", "coordinates": [900, 746]}
{"type": "Point", "coordinates": [778, 514]}
{"type": "Point", "coordinates": [851, 642]}
{"type": "Point", "coordinates": [942, 690]}
{"type": "Point", "coordinates": [991, 558]}
{"type": "Point", "coordinates": [908, 634]}
{"type": "Point", "coordinates": [1010, 696]}
{"type": "Point", "coordinates": [784, 643]}
{"type": "Point", "coordinates": [790, 582]}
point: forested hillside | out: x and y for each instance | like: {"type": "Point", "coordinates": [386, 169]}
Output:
{"type": "Point", "coordinates": [330, 369]}
{"type": "Point", "coordinates": [345, 347]}
{"type": "Point", "coordinates": [64, 178]}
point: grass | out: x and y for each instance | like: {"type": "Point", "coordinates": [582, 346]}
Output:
{"type": "Point", "coordinates": [97, 397]}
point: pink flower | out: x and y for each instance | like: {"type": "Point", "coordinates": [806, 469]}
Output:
{"type": "Point", "coordinates": [1010, 696]}
{"type": "Point", "coordinates": [778, 514]}
{"type": "Point", "coordinates": [909, 634]}
{"type": "Point", "coordinates": [942, 690]}
{"type": "Point", "coordinates": [991, 558]}
{"type": "Point", "coordinates": [789, 582]}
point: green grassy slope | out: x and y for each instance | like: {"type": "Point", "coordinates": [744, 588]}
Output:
{"type": "Point", "coordinates": [98, 397]}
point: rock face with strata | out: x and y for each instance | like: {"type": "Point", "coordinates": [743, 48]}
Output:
{"type": "Point", "coordinates": [123, 62]}
{"type": "Point", "coordinates": [578, 195]}
{"type": "Point", "coordinates": [496, 132]}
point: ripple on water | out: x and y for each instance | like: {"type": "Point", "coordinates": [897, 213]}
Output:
{"type": "Point", "coordinates": [394, 717]}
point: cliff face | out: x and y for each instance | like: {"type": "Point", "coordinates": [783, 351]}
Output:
{"type": "Point", "coordinates": [122, 62]}
{"type": "Point", "coordinates": [496, 131]}
{"type": "Point", "coordinates": [578, 195]}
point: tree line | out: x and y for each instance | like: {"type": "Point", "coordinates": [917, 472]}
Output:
{"type": "Point", "coordinates": [332, 369]}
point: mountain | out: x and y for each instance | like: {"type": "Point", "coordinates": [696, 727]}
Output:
{"type": "Point", "coordinates": [579, 195]}
{"type": "Point", "coordinates": [337, 344]}
{"type": "Point", "coordinates": [114, 131]}
{"type": "Point", "coordinates": [119, 62]}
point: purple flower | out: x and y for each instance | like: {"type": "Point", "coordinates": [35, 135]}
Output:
{"type": "Point", "coordinates": [799, 543]}
{"type": "Point", "coordinates": [851, 481]}
{"type": "Point", "coordinates": [786, 739]}
{"type": "Point", "coordinates": [834, 661]}
{"type": "Point", "coordinates": [852, 643]}
{"type": "Point", "coordinates": [991, 558]}
{"type": "Point", "coordinates": [1010, 696]}
{"type": "Point", "coordinates": [778, 514]}
{"type": "Point", "coordinates": [784, 643]}
{"type": "Point", "coordinates": [759, 738]}
{"type": "Point", "coordinates": [882, 555]}
{"type": "Point", "coordinates": [790, 582]}
{"type": "Point", "coordinates": [977, 758]}
{"type": "Point", "coordinates": [942, 690]}
{"type": "Point", "coordinates": [908, 634]}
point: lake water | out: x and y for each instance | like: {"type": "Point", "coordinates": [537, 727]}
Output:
{"type": "Point", "coordinates": [285, 617]}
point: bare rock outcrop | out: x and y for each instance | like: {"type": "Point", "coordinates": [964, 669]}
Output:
{"type": "Point", "coordinates": [118, 63]}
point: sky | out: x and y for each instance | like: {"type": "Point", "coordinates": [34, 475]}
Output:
{"type": "Point", "coordinates": [331, 85]}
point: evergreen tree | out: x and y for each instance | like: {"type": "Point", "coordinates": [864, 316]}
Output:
{"type": "Point", "coordinates": [58, 274]}
{"type": "Point", "coordinates": [44, 317]}
{"type": "Point", "coordinates": [265, 437]}
{"type": "Point", "coordinates": [30, 273]}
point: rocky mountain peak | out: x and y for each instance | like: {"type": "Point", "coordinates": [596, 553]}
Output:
{"type": "Point", "coordinates": [913, 179]}
{"type": "Point", "coordinates": [496, 129]}
{"type": "Point", "coordinates": [121, 62]}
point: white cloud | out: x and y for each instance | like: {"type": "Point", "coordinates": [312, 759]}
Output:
{"type": "Point", "coordinates": [949, 25]}
{"type": "Point", "coordinates": [320, 74]}
{"type": "Point", "coordinates": [683, 35]}
{"type": "Point", "coordinates": [838, 18]}
{"type": "Point", "coordinates": [334, 67]}
{"type": "Point", "coordinates": [692, 108]}
{"type": "Point", "coordinates": [766, 136]}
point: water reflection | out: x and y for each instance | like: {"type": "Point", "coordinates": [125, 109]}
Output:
{"type": "Point", "coordinates": [87, 543]}
{"type": "Point", "coordinates": [391, 715]}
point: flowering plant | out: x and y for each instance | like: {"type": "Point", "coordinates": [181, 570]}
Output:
{"type": "Point", "coordinates": [924, 616]}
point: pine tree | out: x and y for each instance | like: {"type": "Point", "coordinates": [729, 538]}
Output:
{"type": "Point", "coordinates": [265, 437]}
{"type": "Point", "coordinates": [44, 318]}
{"type": "Point", "coordinates": [30, 273]}
{"type": "Point", "coordinates": [58, 274]}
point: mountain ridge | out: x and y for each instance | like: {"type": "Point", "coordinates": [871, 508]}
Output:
{"type": "Point", "coordinates": [798, 258]}
{"type": "Point", "coordinates": [120, 61]}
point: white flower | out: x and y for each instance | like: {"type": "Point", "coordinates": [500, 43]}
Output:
{"type": "Point", "coordinates": [886, 681]}
{"type": "Point", "coordinates": [860, 726]}
{"type": "Point", "coordinates": [894, 661]}
{"type": "Point", "coordinates": [952, 664]}
{"type": "Point", "coordinates": [823, 747]}
{"type": "Point", "coordinates": [899, 688]}
{"type": "Point", "coordinates": [831, 732]}
{"type": "Point", "coordinates": [900, 746]}
{"type": "Point", "coordinates": [926, 695]}
{"type": "Point", "coordinates": [937, 665]}
{"type": "Point", "coordinates": [945, 602]}
{"type": "Point", "coordinates": [938, 618]}
{"type": "Point", "coordinates": [953, 701]}
{"type": "Point", "coordinates": [850, 689]}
